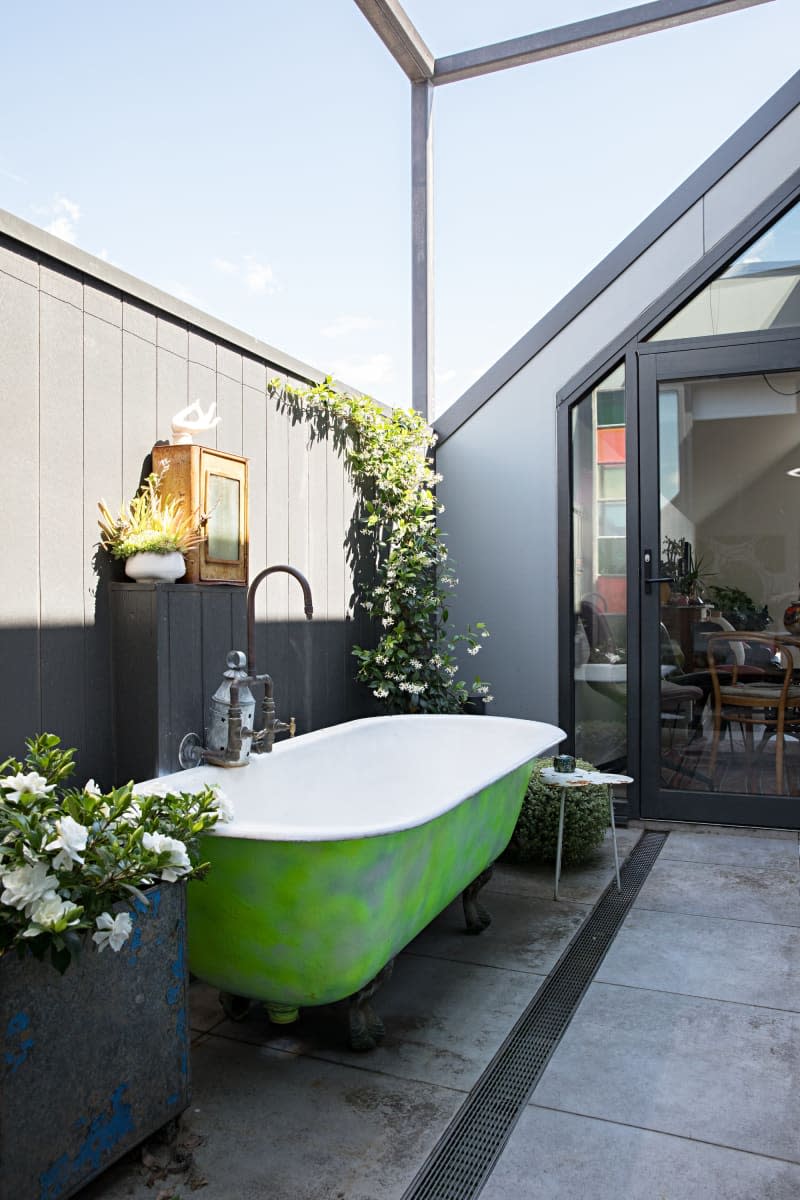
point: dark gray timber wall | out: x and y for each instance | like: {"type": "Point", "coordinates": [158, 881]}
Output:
{"type": "Point", "coordinates": [90, 376]}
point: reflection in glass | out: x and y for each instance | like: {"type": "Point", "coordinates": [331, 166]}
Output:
{"type": "Point", "coordinates": [223, 522]}
{"type": "Point", "coordinates": [730, 541]}
{"type": "Point", "coordinates": [599, 574]}
{"type": "Point", "coordinates": [760, 290]}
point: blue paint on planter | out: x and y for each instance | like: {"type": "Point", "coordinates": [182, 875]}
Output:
{"type": "Point", "coordinates": [150, 912]}
{"type": "Point", "coordinates": [18, 1024]}
{"type": "Point", "coordinates": [16, 1055]}
{"type": "Point", "coordinates": [103, 1134]}
{"type": "Point", "coordinates": [178, 968]}
{"type": "Point", "coordinates": [181, 1035]}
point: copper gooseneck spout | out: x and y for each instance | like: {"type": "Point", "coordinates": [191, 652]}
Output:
{"type": "Point", "coordinates": [251, 606]}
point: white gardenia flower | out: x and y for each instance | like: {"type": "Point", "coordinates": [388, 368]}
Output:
{"type": "Point", "coordinates": [48, 911]}
{"type": "Point", "coordinates": [112, 931]}
{"type": "Point", "coordinates": [31, 784]}
{"type": "Point", "coordinates": [92, 788]}
{"type": "Point", "coordinates": [224, 804]}
{"type": "Point", "coordinates": [178, 863]}
{"type": "Point", "coordinates": [70, 843]}
{"type": "Point", "coordinates": [25, 885]}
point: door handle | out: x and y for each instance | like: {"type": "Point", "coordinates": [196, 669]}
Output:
{"type": "Point", "coordinates": [650, 579]}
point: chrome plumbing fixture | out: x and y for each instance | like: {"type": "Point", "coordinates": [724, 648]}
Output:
{"type": "Point", "coordinates": [230, 734]}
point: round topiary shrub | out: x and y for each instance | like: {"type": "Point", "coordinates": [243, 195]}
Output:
{"type": "Point", "coordinates": [536, 832]}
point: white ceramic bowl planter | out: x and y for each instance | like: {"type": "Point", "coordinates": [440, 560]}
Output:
{"type": "Point", "coordinates": [149, 567]}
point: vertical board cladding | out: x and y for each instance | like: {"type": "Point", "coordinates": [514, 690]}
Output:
{"type": "Point", "coordinates": [90, 377]}
{"type": "Point", "coordinates": [71, 1105]}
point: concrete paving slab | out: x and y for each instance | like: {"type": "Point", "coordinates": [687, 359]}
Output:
{"type": "Point", "coordinates": [705, 1069]}
{"type": "Point", "coordinates": [526, 933]}
{"type": "Point", "coordinates": [584, 883]}
{"type": "Point", "coordinates": [282, 1127]}
{"type": "Point", "coordinates": [205, 1010]}
{"type": "Point", "coordinates": [745, 893]}
{"type": "Point", "coordinates": [560, 1156]}
{"type": "Point", "coordinates": [444, 1022]}
{"type": "Point", "coordinates": [727, 849]}
{"type": "Point", "coordinates": [746, 962]}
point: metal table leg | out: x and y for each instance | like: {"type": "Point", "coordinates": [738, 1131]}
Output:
{"type": "Point", "coordinates": [560, 840]}
{"type": "Point", "coordinates": [614, 836]}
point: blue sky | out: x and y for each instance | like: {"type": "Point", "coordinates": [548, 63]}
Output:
{"type": "Point", "coordinates": [253, 159]}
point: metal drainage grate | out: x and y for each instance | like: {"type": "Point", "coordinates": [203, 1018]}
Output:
{"type": "Point", "coordinates": [462, 1160]}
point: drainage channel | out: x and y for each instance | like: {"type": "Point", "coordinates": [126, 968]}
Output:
{"type": "Point", "coordinates": [462, 1160]}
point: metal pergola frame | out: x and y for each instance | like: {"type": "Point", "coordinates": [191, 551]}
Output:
{"type": "Point", "coordinates": [426, 72]}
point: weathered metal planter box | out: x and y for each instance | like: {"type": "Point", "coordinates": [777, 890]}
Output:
{"type": "Point", "coordinates": [95, 1060]}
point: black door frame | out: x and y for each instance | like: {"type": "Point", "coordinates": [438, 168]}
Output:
{"type": "Point", "coordinates": [734, 355]}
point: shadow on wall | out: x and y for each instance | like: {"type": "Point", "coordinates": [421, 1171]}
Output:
{"type": "Point", "coordinates": [126, 712]}
{"type": "Point", "coordinates": [359, 547]}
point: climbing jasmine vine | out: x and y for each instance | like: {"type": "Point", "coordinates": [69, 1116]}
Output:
{"type": "Point", "coordinates": [408, 588]}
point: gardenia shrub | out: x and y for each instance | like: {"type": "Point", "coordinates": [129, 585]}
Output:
{"type": "Point", "coordinates": [536, 833]}
{"type": "Point", "coordinates": [70, 858]}
{"type": "Point", "coordinates": [414, 666]}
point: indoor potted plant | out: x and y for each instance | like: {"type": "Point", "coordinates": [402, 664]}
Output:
{"type": "Point", "coordinates": [151, 533]}
{"type": "Point", "coordinates": [93, 975]}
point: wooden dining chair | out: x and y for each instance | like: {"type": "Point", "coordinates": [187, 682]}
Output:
{"type": "Point", "coordinates": [765, 703]}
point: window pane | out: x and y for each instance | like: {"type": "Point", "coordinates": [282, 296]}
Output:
{"type": "Point", "coordinates": [611, 483]}
{"type": "Point", "coordinates": [611, 556]}
{"type": "Point", "coordinates": [611, 519]}
{"type": "Point", "coordinates": [599, 584]}
{"type": "Point", "coordinates": [611, 407]}
{"type": "Point", "coordinates": [760, 290]}
{"type": "Point", "coordinates": [730, 544]}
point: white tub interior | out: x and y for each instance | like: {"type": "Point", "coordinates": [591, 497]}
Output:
{"type": "Point", "coordinates": [368, 777]}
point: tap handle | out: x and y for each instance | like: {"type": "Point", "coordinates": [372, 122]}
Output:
{"type": "Point", "coordinates": [292, 727]}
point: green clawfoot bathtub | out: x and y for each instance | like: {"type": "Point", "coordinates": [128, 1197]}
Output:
{"type": "Point", "coordinates": [345, 844]}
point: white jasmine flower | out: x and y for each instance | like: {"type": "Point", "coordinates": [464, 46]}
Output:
{"type": "Point", "coordinates": [25, 885]}
{"type": "Point", "coordinates": [473, 650]}
{"type": "Point", "coordinates": [488, 699]}
{"type": "Point", "coordinates": [47, 912]}
{"type": "Point", "coordinates": [387, 622]}
{"type": "Point", "coordinates": [415, 663]}
{"type": "Point", "coordinates": [31, 784]}
{"type": "Point", "coordinates": [380, 692]}
{"type": "Point", "coordinates": [92, 788]}
{"type": "Point", "coordinates": [224, 804]}
{"type": "Point", "coordinates": [112, 931]}
{"type": "Point", "coordinates": [70, 842]}
{"type": "Point", "coordinates": [178, 863]}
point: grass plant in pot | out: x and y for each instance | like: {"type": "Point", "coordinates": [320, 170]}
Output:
{"type": "Point", "coordinates": [93, 975]}
{"type": "Point", "coordinates": [151, 534]}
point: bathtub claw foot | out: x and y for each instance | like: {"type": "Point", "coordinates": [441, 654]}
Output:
{"type": "Point", "coordinates": [475, 915]}
{"type": "Point", "coordinates": [366, 1028]}
{"type": "Point", "coordinates": [235, 1007]}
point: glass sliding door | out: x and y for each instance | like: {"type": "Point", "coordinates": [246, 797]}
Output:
{"type": "Point", "coordinates": [720, 684]}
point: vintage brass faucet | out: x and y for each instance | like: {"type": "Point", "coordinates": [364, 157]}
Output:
{"type": "Point", "coordinates": [230, 734]}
